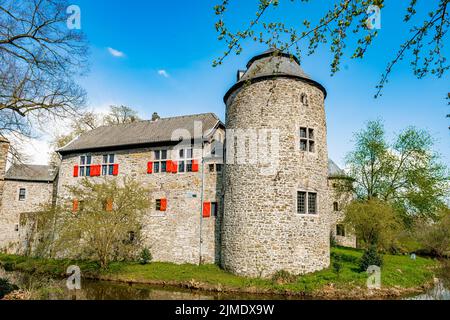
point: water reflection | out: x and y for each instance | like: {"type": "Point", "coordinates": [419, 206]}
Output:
{"type": "Point", "coordinates": [103, 290]}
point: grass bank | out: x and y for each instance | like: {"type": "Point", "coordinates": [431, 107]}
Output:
{"type": "Point", "coordinates": [400, 275]}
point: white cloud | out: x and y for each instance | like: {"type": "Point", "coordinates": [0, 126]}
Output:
{"type": "Point", "coordinates": [116, 53]}
{"type": "Point", "coordinates": [163, 73]}
{"type": "Point", "coordinates": [32, 150]}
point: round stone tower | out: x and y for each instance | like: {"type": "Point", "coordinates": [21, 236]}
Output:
{"type": "Point", "coordinates": [276, 206]}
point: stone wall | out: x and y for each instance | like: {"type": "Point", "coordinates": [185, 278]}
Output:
{"type": "Point", "coordinates": [173, 235]}
{"type": "Point", "coordinates": [4, 149]}
{"type": "Point", "coordinates": [37, 194]}
{"type": "Point", "coordinates": [262, 231]}
{"type": "Point", "coordinates": [341, 194]}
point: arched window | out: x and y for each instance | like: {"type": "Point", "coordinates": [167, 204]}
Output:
{"type": "Point", "coordinates": [304, 99]}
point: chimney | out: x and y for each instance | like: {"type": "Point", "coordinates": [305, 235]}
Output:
{"type": "Point", "coordinates": [4, 150]}
{"type": "Point", "coordinates": [155, 116]}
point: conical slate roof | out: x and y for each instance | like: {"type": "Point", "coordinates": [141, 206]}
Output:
{"type": "Point", "coordinates": [271, 64]}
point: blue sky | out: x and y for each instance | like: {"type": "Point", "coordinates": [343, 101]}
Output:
{"type": "Point", "coordinates": [151, 36]}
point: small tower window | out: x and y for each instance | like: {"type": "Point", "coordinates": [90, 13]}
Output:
{"type": "Point", "coordinates": [335, 206]}
{"type": "Point", "coordinates": [22, 194]}
{"type": "Point", "coordinates": [340, 230]}
{"type": "Point", "coordinates": [16, 228]}
{"type": "Point", "coordinates": [304, 99]}
{"type": "Point", "coordinates": [307, 140]}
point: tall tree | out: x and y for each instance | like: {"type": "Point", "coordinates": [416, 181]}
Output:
{"type": "Point", "coordinates": [90, 120]}
{"type": "Point", "coordinates": [342, 24]}
{"type": "Point", "coordinates": [120, 114]}
{"type": "Point", "coordinates": [406, 173]}
{"type": "Point", "coordinates": [39, 60]}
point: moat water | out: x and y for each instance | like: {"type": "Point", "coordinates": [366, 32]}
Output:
{"type": "Point", "coordinates": [105, 290]}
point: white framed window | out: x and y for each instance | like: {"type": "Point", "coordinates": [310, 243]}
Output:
{"type": "Point", "coordinates": [85, 165]}
{"type": "Point", "coordinates": [108, 164]}
{"type": "Point", "coordinates": [307, 202]}
{"type": "Point", "coordinates": [160, 163]}
{"type": "Point", "coordinates": [185, 158]}
{"type": "Point", "coordinates": [307, 139]}
{"type": "Point", "coordinates": [22, 194]}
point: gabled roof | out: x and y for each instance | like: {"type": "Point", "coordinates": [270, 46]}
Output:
{"type": "Point", "coordinates": [334, 172]}
{"type": "Point", "coordinates": [33, 173]}
{"type": "Point", "coordinates": [141, 133]}
{"type": "Point", "coordinates": [272, 64]}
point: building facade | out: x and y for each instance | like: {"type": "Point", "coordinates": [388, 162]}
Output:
{"type": "Point", "coordinates": [229, 205]}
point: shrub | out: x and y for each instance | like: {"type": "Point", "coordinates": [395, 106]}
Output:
{"type": "Point", "coordinates": [373, 222]}
{"type": "Point", "coordinates": [333, 242]}
{"type": "Point", "coordinates": [283, 276]}
{"type": "Point", "coordinates": [6, 287]}
{"type": "Point", "coordinates": [145, 257]}
{"type": "Point", "coordinates": [336, 264]}
{"type": "Point", "coordinates": [371, 257]}
{"type": "Point", "coordinates": [435, 238]}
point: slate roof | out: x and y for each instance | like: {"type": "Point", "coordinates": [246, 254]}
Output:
{"type": "Point", "coordinates": [270, 64]}
{"type": "Point", "coordinates": [34, 173]}
{"type": "Point", "coordinates": [334, 170]}
{"type": "Point", "coordinates": [140, 132]}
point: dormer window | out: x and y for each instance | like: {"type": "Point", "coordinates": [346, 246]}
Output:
{"type": "Point", "coordinates": [307, 139]}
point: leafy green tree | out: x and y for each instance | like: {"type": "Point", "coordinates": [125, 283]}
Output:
{"type": "Point", "coordinates": [435, 237]}
{"type": "Point", "coordinates": [373, 222]}
{"type": "Point", "coordinates": [405, 173]}
{"type": "Point", "coordinates": [102, 222]}
{"type": "Point", "coordinates": [343, 29]}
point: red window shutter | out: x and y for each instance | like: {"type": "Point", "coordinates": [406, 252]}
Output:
{"type": "Point", "coordinates": [163, 204]}
{"type": "Point", "coordinates": [109, 205]}
{"type": "Point", "coordinates": [174, 166]}
{"type": "Point", "coordinates": [93, 169]}
{"type": "Point", "coordinates": [150, 167]}
{"type": "Point", "coordinates": [75, 205]}
{"type": "Point", "coordinates": [115, 170]}
{"type": "Point", "coordinates": [206, 209]}
{"type": "Point", "coordinates": [169, 166]}
{"type": "Point", "coordinates": [75, 171]}
{"type": "Point", "coordinates": [194, 166]}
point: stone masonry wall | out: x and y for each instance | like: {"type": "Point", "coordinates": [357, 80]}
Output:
{"type": "Point", "coordinates": [173, 235]}
{"type": "Point", "coordinates": [262, 231]}
{"type": "Point", "coordinates": [342, 197]}
{"type": "Point", "coordinates": [37, 193]}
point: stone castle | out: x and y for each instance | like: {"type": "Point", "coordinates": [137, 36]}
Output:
{"type": "Point", "coordinates": [256, 195]}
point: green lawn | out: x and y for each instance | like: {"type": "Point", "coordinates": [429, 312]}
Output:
{"type": "Point", "coordinates": [398, 271]}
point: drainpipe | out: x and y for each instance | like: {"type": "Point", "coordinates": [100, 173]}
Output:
{"type": "Point", "coordinates": [201, 206]}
